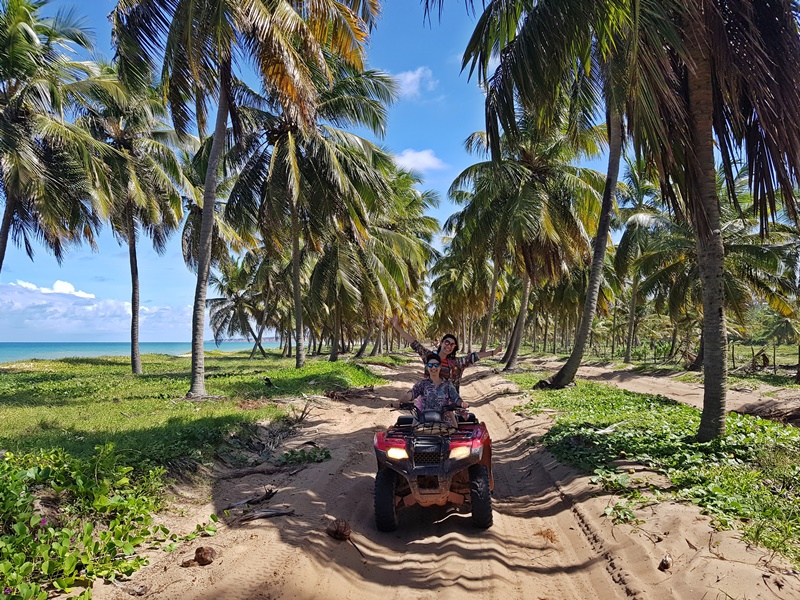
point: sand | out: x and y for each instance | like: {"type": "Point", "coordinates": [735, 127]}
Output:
{"type": "Point", "coordinates": [549, 541]}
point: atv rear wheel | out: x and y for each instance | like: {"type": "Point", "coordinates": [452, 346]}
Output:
{"type": "Point", "coordinates": [385, 505]}
{"type": "Point", "coordinates": [480, 496]}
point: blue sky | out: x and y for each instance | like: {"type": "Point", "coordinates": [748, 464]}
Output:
{"type": "Point", "coordinates": [87, 297]}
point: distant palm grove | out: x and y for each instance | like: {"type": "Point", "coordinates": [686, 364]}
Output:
{"type": "Point", "coordinates": [230, 124]}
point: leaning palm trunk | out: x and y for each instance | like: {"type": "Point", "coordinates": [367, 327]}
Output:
{"type": "Point", "coordinates": [487, 332]}
{"type": "Point", "coordinates": [136, 358]}
{"type": "Point", "coordinates": [631, 319]}
{"type": "Point", "coordinates": [566, 374]}
{"type": "Point", "coordinates": [300, 356]}
{"type": "Point", "coordinates": [706, 221]}
{"type": "Point", "coordinates": [257, 345]}
{"type": "Point", "coordinates": [198, 386]}
{"type": "Point", "coordinates": [516, 341]}
{"type": "Point", "coordinates": [5, 228]}
{"type": "Point", "coordinates": [376, 349]}
{"type": "Point", "coordinates": [257, 338]}
{"type": "Point", "coordinates": [509, 343]}
{"type": "Point", "coordinates": [697, 363]}
{"type": "Point", "coordinates": [365, 343]}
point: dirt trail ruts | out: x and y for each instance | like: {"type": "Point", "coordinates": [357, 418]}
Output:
{"type": "Point", "coordinates": [549, 539]}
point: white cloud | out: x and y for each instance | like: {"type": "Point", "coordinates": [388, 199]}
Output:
{"type": "Point", "coordinates": [39, 314]}
{"type": "Point", "coordinates": [59, 287]}
{"type": "Point", "coordinates": [414, 83]}
{"type": "Point", "coordinates": [420, 161]}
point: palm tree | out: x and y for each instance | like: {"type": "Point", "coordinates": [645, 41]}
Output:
{"type": "Point", "coordinates": [234, 312]}
{"type": "Point", "coordinates": [640, 213]}
{"type": "Point", "coordinates": [271, 288]}
{"type": "Point", "coordinates": [51, 178]}
{"type": "Point", "coordinates": [398, 251]}
{"type": "Point", "coordinates": [531, 198]}
{"type": "Point", "coordinates": [313, 177]}
{"type": "Point", "coordinates": [201, 41]}
{"type": "Point", "coordinates": [704, 71]}
{"type": "Point", "coordinates": [146, 175]}
{"type": "Point", "coordinates": [753, 269]}
{"type": "Point", "coordinates": [591, 50]}
{"type": "Point", "coordinates": [735, 97]}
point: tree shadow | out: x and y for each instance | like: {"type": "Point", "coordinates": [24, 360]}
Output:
{"type": "Point", "coordinates": [430, 542]}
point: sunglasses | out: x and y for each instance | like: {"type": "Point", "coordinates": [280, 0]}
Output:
{"type": "Point", "coordinates": [433, 365]}
{"type": "Point", "coordinates": [448, 342]}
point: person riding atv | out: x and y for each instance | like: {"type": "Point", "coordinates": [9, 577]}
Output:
{"type": "Point", "coordinates": [434, 393]}
{"type": "Point", "coordinates": [434, 456]}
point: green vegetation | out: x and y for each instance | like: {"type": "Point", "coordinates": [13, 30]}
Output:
{"type": "Point", "coordinates": [304, 456]}
{"type": "Point", "coordinates": [67, 521]}
{"type": "Point", "coordinates": [87, 444]}
{"type": "Point", "coordinates": [78, 404]}
{"type": "Point", "coordinates": [748, 479]}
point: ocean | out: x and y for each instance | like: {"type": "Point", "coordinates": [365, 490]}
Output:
{"type": "Point", "coordinates": [16, 351]}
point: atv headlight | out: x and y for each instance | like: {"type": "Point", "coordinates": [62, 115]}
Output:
{"type": "Point", "coordinates": [396, 453]}
{"type": "Point", "coordinates": [459, 452]}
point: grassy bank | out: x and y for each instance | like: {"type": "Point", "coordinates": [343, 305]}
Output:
{"type": "Point", "coordinates": [78, 404]}
{"type": "Point", "coordinates": [86, 446]}
{"type": "Point", "coordinates": [748, 480]}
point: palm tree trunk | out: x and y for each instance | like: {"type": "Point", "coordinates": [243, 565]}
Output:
{"type": "Point", "coordinates": [257, 345]}
{"type": "Point", "coordinates": [365, 343]}
{"type": "Point", "coordinates": [136, 358]}
{"type": "Point", "coordinates": [631, 318]}
{"type": "Point", "coordinates": [673, 347]}
{"type": "Point", "coordinates": [312, 340]}
{"type": "Point", "coordinates": [300, 358]}
{"type": "Point", "coordinates": [614, 329]}
{"type": "Point", "coordinates": [257, 338]}
{"type": "Point", "coordinates": [336, 331]}
{"type": "Point", "coordinates": [706, 220]}
{"type": "Point", "coordinates": [546, 331]}
{"type": "Point", "coordinates": [555, 332]}
{"type": "Point", "coordinates": [520, 326]}
{"type": "Point", "coordinates": [797, 374]}
{"type": "Point", "coordinates": [5, 228]}
{"type": "Point", "coordinates": [376, 349]}
{"type": "Point", "coordinates": [198, 385]}
{"type": "Point", "coordinates": [697, 364]}
{"type": "Point", "coordinates": [487, 332]}
{"type": "Point", "coordinates": [566, 374]}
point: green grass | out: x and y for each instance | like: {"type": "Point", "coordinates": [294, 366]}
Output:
{"type": "Point", "coordinates": [748, 480]}
{"type": "Point", "coordinates": [78, 404]}
{"type": "Point", "coordinates": [87, 444]}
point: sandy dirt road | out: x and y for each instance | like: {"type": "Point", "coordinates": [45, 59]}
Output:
{"type": "Point", "coordinates": [549, 541]}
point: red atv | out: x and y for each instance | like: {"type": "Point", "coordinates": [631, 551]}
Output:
{"type": "Point", "coordinates": [424, 460]}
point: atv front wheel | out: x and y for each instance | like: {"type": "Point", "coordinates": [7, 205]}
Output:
{"type": "Point", "coordinates": [385, 506]}
{"type": "Point", "coordinates": [480, 495]}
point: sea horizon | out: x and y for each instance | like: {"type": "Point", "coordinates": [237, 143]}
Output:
{"type": "Point", "coordinates": [17, 351]}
